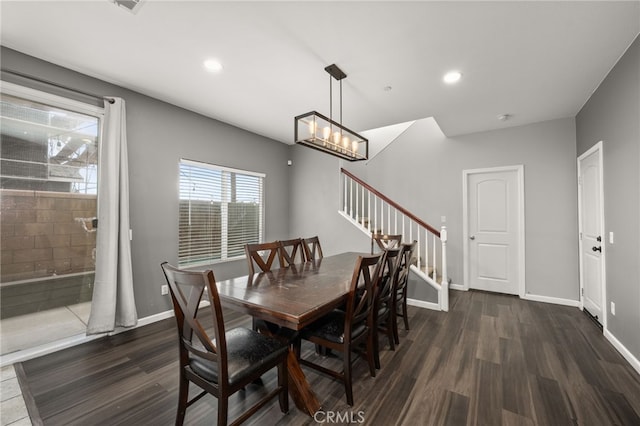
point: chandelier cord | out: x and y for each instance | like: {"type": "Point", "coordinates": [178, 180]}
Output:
{"type": "Point", "coordinates": [340, 104]}
{"type": "Point", "coordinates": [330, 98]}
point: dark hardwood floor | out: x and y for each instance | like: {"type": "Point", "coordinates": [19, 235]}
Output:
{"type": "Point", "coordinates": [491, 360]}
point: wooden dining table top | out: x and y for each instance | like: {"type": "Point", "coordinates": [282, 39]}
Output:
{"type": "Point", "coordinates": [295, 296]}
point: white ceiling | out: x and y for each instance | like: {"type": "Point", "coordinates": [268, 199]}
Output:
{"type": "Point", "coordinates": [533, 60]}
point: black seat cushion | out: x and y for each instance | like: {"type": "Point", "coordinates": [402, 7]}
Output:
{"type": "Point", "coordinates": [331, 328]}
{"type": "Point", "coordinates": [247, 352]}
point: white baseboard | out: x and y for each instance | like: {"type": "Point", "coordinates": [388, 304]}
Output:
{"type": "Point", "coordinates": [423, 304]}
{"type": "Point", "coordinates": [554, 300]}
{"type": "Point", "coordinates": [458, 287]}
{"type": "Point", "coordinates": [146, 321]}
{"type": "Point", "coordinates": [635, 363]}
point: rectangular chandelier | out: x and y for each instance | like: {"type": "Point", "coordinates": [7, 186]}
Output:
{"type": "Point", "coordinates": [319, 132]}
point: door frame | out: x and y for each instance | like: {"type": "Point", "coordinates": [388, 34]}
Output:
{"type": "Point", "coordinates": [598, 147]}
{"type": "Point", "coordinates": [519, 169]}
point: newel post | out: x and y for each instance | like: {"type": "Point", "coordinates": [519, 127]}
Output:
{"type": "Point", "coordinates": [444, 286]}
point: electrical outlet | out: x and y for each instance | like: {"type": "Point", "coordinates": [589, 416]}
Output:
{"type": "Point", "coordinates": [613, 308]}
{"type": "Point", "coordinates": [164, 290]}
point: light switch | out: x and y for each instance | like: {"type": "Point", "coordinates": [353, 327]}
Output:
{"type": "Point", "coordinates": [610, 237]}
{"type": "Point", "coordinates": [443, 219]}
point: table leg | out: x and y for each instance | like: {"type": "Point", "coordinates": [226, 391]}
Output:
{"type": "Point", "coordinates": [299, 387]}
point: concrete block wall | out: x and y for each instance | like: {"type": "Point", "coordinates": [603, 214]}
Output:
{"type": "Point", "coordinates": [40, 237]}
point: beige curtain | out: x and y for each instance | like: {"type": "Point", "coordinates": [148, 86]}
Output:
{"type": "Point", "coordinates": [113, 301]}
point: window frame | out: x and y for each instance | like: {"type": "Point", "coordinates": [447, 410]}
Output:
{"type": "Point", "coordinates": [35, 95]}
{"type": "Point", "coordinates": [224, 217]}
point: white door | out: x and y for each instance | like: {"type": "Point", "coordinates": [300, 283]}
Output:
{"type": "Point", "coordinates": [495, 229]}
{"type": "Point", "coordinates": [590, 200]}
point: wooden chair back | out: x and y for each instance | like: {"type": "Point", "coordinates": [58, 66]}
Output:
{"type": "Point", "coordinates": [312, 248]}
{"type": "Point", "coordinates": [389, 276]}
{"type": "Point", "coordinates": [385, 241]}
{"type": "Point", "coordinates": [291, 252]}
{"type": "Point", "coordinates": [186, 289]}
{"type": "Point", "coordinates": [399, 306]}
{"type": "Point", "coordinates": [262, 255]}
{"type": "Point", "coordinates": [406, 260]}
{"type": "Point", "coordinates": [366, 275]}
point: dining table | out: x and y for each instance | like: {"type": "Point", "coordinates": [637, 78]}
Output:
{"type": "Point", "coordinates": [291, 298]}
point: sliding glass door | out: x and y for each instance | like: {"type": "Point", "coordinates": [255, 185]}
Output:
{"type": "Point", "coordinates": [48, 200]}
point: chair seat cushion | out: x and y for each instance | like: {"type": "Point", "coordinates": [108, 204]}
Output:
{"type": "Point", "coordinates": [331, 328]}
{"type": "Point", "coordinates": [248, 352]}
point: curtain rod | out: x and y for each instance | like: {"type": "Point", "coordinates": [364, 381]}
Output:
{"type": "Point", "coordinates": [60, 86]}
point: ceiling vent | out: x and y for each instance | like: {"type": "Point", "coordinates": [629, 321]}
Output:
{"type": "Point", "coordinates": [131, 5]}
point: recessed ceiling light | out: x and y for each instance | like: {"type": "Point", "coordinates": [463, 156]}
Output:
{"type": "Point", "coordinates": [452, 77]}
{"type": "Point", "coordinates": [213, 65]}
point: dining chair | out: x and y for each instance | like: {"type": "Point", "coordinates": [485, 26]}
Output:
{"type": "Point", "coordinates": [384, 298]}
{"type": "Point", "coordinates": [226, 363]}
{"type": "Point", "coordinates": [385, 241]}
{"type": "Point", "coordinates": [399, 307]}
{"type": "Point", "coordinates": [262, 255]}
{"type": "Point", "coordinates": [344, 331]}
{"type": "Point", "coordinates": [312, 248]}
{"type": "Point", "coordinates": [289, 250]}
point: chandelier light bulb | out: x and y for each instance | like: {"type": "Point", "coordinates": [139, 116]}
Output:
{"type": "Point", "coordinates": [325, 133]}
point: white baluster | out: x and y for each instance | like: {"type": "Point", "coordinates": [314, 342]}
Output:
{"type": "Point", "coordinates": [435, 269]}
{"type": "Point", "coordinates": [375, 213]}
{"type": "Point", "coordinates": [395, 221]}
{"type": "Point", "coordinates": [410, 230]}
{"type": "Point", "coordinates": [345, 194]}
{"type": "Point", "coordinates": [351, 199]}
{"type": "Point", "coordinates": [369, 212]}
{"type": "Point", "coordinates": [362, 206]}
{"type": "Point", "coordinates": [357, 199]}
{"type": "Point", "coordinates": [444, 299]}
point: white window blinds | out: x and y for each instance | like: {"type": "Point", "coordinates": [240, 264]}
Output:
{"type": "Point", "coordinates": [221, 210]}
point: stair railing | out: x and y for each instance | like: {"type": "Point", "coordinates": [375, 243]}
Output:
{"type": "Point", "coordinates": [373, 212]}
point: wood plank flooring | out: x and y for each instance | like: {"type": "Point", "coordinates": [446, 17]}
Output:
{"type": "Point", "coordinates": [491, 360]}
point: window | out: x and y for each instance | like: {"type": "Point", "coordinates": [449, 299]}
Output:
{"type": "Point", "coordinates": [221, 210]}
{"type": "Point", "coordinates": [48, 198]}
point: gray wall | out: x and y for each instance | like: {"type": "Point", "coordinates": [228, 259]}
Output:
{"type": "Point", "coordinates": [612, 115]}
{"type": "Point", "coordinates": [159, 134]}
{"type": "Point", "coordinates": [422, 170]}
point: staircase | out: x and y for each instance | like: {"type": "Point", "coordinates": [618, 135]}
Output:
{"type": "Point", "coordinates": [373, 212]}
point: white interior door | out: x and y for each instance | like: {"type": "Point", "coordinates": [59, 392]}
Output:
{"type": "Point", "coordinates": [591, 229]}
{"type": "Point", "coordinates": [495, 230]}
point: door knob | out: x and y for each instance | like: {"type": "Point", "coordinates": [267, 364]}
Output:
{"type": "Point", "coordinates": [597, 249]}
{"type": "Point", "coordinates": [472, 237]}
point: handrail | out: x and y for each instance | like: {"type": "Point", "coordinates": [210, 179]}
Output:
{"type": "Point", "coordinates": [392, 203]}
